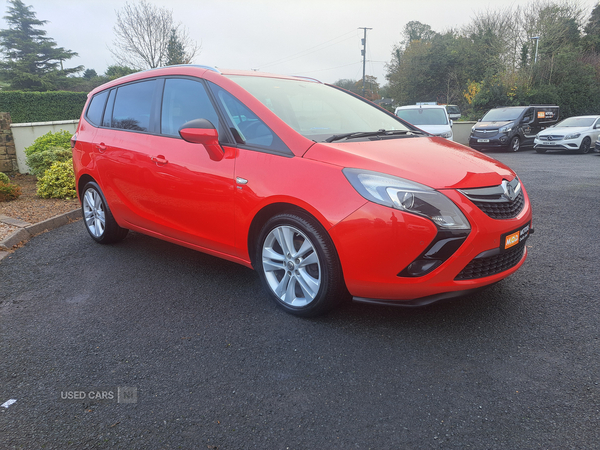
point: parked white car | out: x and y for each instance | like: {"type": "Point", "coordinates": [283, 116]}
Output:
{"type": "Point", "coordinates": [430, 118]}
{"type": "Point", "coordinates": [575, 133]}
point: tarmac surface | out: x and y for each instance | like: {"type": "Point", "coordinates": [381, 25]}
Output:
{"type": "Point", "coordinates": [182, 350]}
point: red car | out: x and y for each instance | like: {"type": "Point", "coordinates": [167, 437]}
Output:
{"type": "Point", "coordinates": [323, 193]}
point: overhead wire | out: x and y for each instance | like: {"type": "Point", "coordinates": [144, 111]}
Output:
{"type": "Point", "coordinates": [310, 50]}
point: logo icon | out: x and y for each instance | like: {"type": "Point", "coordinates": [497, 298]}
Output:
{"type": "Point", "coordinates": [509, 190]}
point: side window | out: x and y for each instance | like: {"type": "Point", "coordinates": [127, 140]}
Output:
{"type": "Point", "coordinates": [185, 100]}
{"type": "Point", "coordinates": [109, 108]}
{"type": "Point", "coordinates": [528, 117]}
{"type": "Point", "coordinates": [96, 108]}
{"type": "Point", "coordinates": [246, 126]}
{"type": "Point", "coordinates": [133, 106]}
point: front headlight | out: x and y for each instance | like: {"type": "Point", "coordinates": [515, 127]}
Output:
{"type": "Point", "coordinates": [407, 196]}
{"type": "Point", "coordinates": [572, 136]}
{"type": "Point", "coordinates": [506, 129]}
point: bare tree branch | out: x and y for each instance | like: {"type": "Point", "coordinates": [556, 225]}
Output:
{"type": "Point", "coordinates": [143, 32]}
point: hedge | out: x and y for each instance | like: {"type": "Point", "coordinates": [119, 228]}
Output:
{"type": "Point", "coordinates": [42, 106]}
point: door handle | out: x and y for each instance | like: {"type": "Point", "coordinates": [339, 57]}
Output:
{"type": "Point", "coordinates": [101, 147]}
{"type": "Point", "coordinates": [160, 159]}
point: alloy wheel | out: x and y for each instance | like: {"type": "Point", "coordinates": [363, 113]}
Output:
{"type": "Point", "coordinates": [291, 266]}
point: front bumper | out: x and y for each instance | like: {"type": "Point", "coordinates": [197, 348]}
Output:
{"type": "Point", "coordinates": [497, 141]}
{"type": "Point", "coordinates": [571, 144]}
{"type": "Point", "coordinates": [375, 244]}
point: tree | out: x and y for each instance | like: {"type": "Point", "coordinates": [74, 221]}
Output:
{"type": "Point", "coordinates": [31, 60]}
{"type": "Point", "coordinates": [592, 31]}
{"type": "Point", "coordinates": [89, 74]}
{"type": "Point", "coordinates": [115, 71]}
{"type": "Point", "coordinates": [348, 84]}
{"type": "Point", "coordinates": [147, 37]}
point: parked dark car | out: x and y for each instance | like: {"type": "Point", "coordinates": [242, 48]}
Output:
{"type": "Point", "coordinates": [512, 127]}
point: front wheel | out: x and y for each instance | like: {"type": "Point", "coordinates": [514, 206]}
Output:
{"type": "Point", "coordinates": [515, 144]}
{"type": "Point", "coordinates": [298, 265]}
{"type": "Point", "coordinates": [97, 217]}
{"type": "Point", "coordinates": [585, 146]}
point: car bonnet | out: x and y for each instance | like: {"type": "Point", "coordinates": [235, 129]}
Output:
{"type": "Point", "coordinates": [433, 161]}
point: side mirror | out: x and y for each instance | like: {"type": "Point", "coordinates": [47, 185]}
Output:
{"type": "Point", "coordinates": [201, 131]}
{"type": "Point", "coordinates": [478, 120]}
{"type": "Point", "coordinates": [451, 123]}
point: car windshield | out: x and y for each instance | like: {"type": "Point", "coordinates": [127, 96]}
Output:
{"type": "Point", "coordinates": [452, 109]}
{"type": "Point", "coordinates": [502, 114]}
{"type": "Point", "coordinates": [577, 122]}
{"type": "Point", "coordinates": [423, 116]}
{"type": "Point", "coordinates": [315, 110]}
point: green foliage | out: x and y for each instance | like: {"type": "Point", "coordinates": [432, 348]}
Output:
{"type": "Point", "coordinates": [175, 51]}
{"type": "Point", "coordinates": [42, 161]}
{"type": "Point", "coordinates": [115, 71]}
{"type": "Point", "coordinates": [490, 62]}
{"type": "Point", "coordinates": [9, 191]}
{"type": "Point", "coordinates": [42, 106]}
{"type": "Point", "coordinates": [4, 178]}
{"type": "Point", "coordinates": [58, 181]}
{"type": "Point", "coordinates": [29, 56]}
{"type": "Point", "coordinates": [48, 149]}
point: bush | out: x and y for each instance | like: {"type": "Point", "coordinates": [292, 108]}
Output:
{"type": "Point", "coordinates": [42, 106]}
{"type": "Point", "coordinates": [48, 149]}
{"type": "Point", "coordinates": [4, 178]}
{"type": "Point", "coordinates": [58, 181]}
{"type": "Point", "coordinates": [9, 191]}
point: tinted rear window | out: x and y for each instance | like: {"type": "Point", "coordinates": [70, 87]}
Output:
{"type": "Point", "coordinates": [94, 112]}
{"type": "Point", "coordinates": [133, 106]}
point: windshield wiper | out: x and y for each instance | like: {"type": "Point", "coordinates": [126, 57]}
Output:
{"type": "Point", "coordinates": [360, 134]}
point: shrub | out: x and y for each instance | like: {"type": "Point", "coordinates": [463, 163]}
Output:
{"type": "Point", "coordinates": [58, 181]}
{"type": "Point", "coordinates": [4, 178]}
{"type": "Point", "coordinates": [48, 149]}
{"type": "Point", "coordinates": [42, 161]}
{"type": "Point", "coordinates": [42, 106]}
{"type": "Point", "coordinates": [9, 191]}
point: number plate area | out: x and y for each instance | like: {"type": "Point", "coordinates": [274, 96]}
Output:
{"type": "Point", "coordinates": [515, 237]}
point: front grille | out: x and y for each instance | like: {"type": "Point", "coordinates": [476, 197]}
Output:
{"type": "Point", "coordinates": [492, 265]}
{"type": "Point", "coordinates": [503, 210]}
{"type": "Point", "coordinates": [504, 201]}
{"type": "Point", "coordinates": [484, 133]}
{"type": "Point", "coordinates": [554, 137]}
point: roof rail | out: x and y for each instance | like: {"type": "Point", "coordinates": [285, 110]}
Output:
{"type": "Point", "coordinates": [214, 69]}
{"type": "Point", "coordinates": [308, 78]}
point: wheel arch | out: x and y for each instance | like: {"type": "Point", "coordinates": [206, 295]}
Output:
{"type": "Point", "coordinates": [270, 210]}
{"type": "Point", "coordinates": [83, 180]}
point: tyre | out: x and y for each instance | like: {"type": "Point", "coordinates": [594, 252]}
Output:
{"type": "Point", "coordinates": [515, 144]}
{"type": "Point", "coordinates": [540, 150]}
{"type": "Point", "coordinates": [586, 145]}
{"type": "Point", "coordinates": [298, 265]}
{"type": "Point", "coordinates": [97, 217]}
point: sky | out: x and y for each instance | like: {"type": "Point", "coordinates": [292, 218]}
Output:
{"type": "Point", "coordinates": [313, 38]}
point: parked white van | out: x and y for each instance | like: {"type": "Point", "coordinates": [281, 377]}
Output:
{"type": "Point", "coordinates": [430, 118]}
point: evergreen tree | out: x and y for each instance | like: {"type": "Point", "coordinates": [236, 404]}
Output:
{"type": "Point", "coordinates": [32, 61]}
{"type": "Point", "coordinates": [175, 50]}
{"type": "Point", "coordinates": [592, 31]}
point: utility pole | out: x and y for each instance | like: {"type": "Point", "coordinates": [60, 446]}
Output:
{"type": "Point", "coordinates": [537, 41]}
{"type": "Point", "coordinates": [364, 55]}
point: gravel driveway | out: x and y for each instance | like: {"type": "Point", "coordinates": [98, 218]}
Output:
{"type": "Point", "coordinates": [215, 365]}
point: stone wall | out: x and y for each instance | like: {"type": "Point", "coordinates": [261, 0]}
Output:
{"type": "Point", "coordinates": [8, 153]}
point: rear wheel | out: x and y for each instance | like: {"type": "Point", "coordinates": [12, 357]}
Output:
{"type": "Point", "coordinates": [515, 144]}
{"type": "Point", "coordinates": [298, 265]}
{"type": "Point", "coordinates": [585, 146]}
{"type": "Point", "coordinates": [97, 217]}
